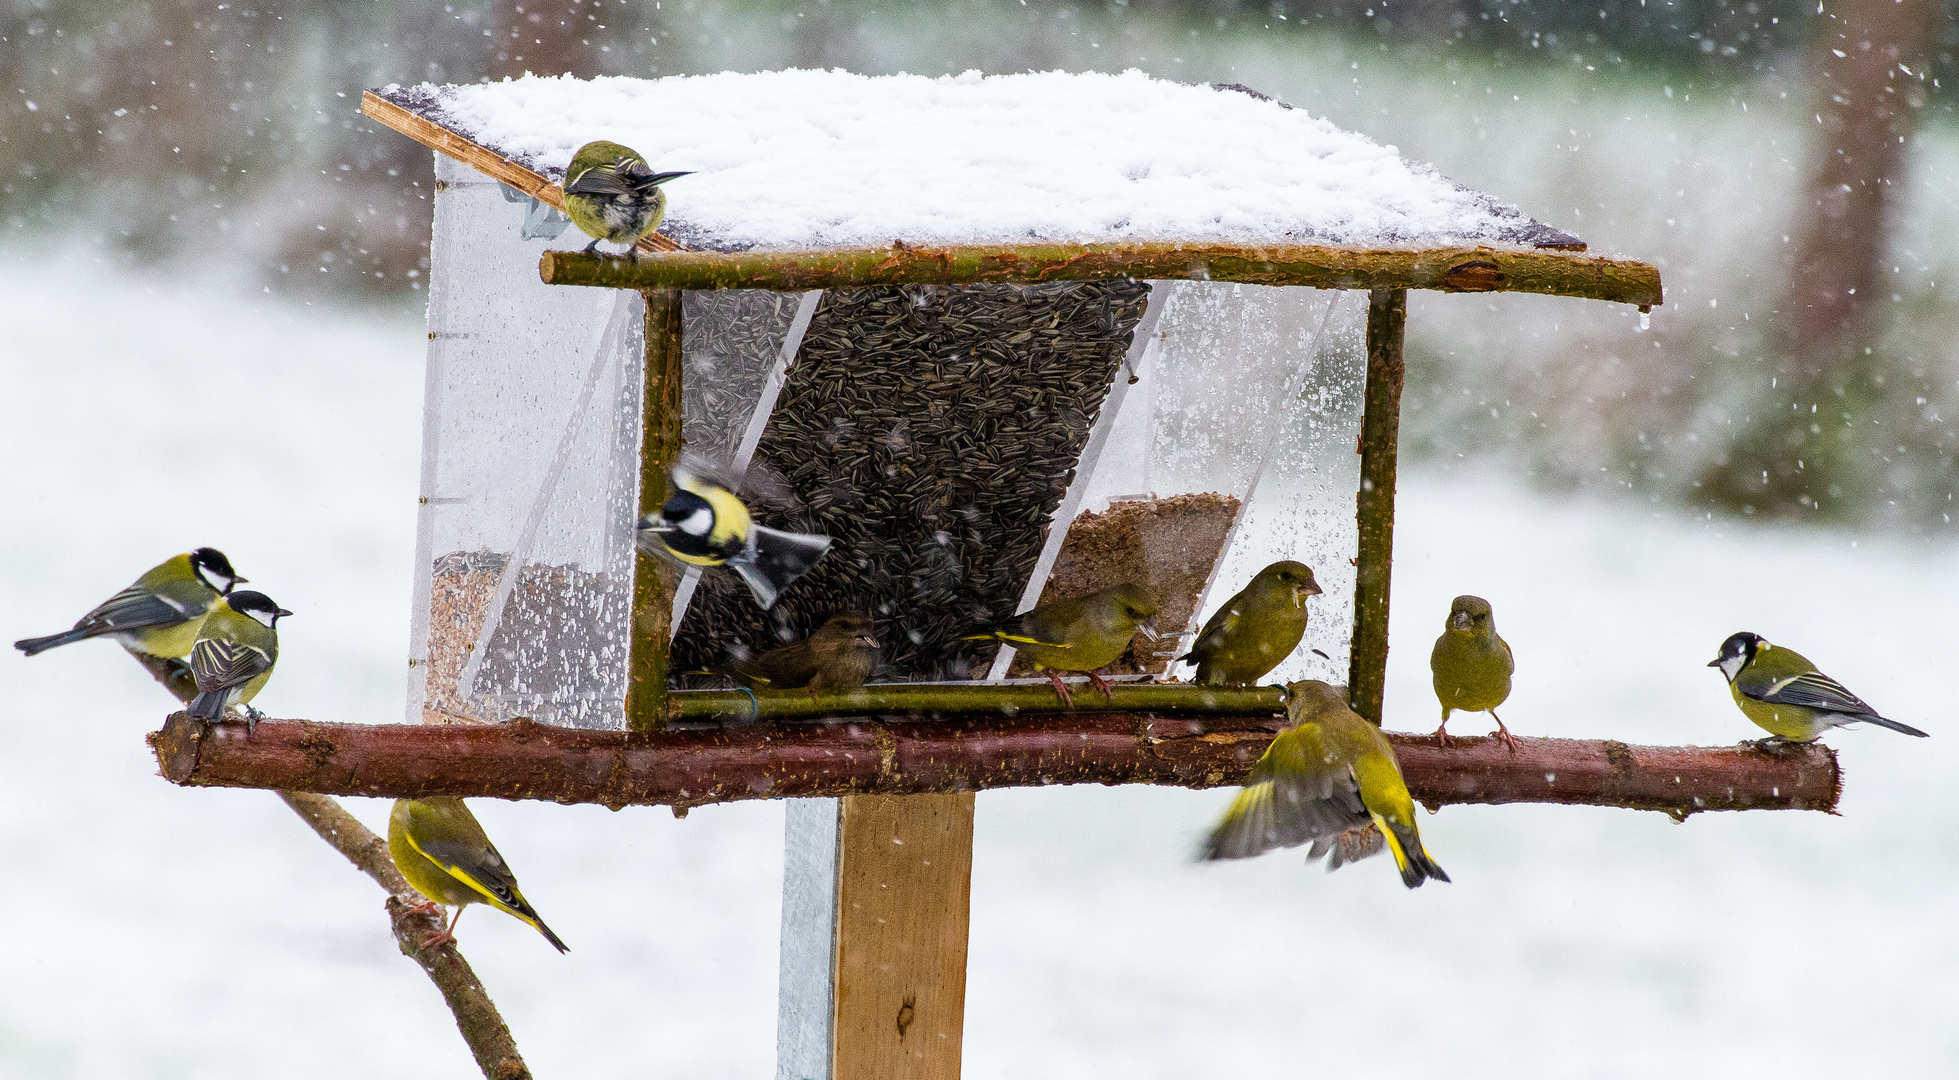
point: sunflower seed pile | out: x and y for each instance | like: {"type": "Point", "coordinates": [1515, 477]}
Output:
{"type": "Point", "coordinates": [931, 431]}
{"type": "Point", "coordinates": [730, 339]}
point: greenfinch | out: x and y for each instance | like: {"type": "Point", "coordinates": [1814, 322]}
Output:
{"type": "Point", "coordinates": [1786, 696]}
{"type": "Point", "coordinates": [234, 653]}
{"type": "Point", "coordinates": [441, 849]}
{"type": "Point", "coordinates": [1255, 630]}
{"type": "Point", "coordinates": [838, 656]}
{"type": "Point", "coordinates": [1471, 666]}
{"type": "Point", "coordinates": [157, 615]}
{"type": "Point", "coordinates": [1327, 780]}
{"type": "Point", "coordinates": [613, 194]}
{"type": "Point", "coordinates": [1079, 635]}
{"type": "Point", "coordinates": [704, 523]}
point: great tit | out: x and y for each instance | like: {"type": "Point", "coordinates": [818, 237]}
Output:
{"type": "Point", "coordinates": [1471, 666]}
{"type": "Point", "coordinates": [160, 613]}
{"type": "Point", "coordinates": [1079, 635]}
{"type": "Point", "coordinates": [441, 849]}
{"type": "Point", "coordinates": [612, 194]}
{"type": "Point", "coordinates": [838, 656]}
{"type": "Point", "coordinates": [1255, 630]}
{"type": "Point", "coordinates": [1786, 696]}
{"type": "Point", "coordinates": [233, 656]}
{"type": "Point", "coordinates": [703, 523]}
{"type": "Point", "coordinates": [1328, 780]}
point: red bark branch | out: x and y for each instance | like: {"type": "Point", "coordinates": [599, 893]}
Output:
{"type": "Point", "coordinates": [525, 760]}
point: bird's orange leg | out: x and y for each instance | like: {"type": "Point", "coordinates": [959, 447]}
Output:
{"type": "Point", "coordinates": [1441, 735]}
{"type": "Point", "coordinates": [1503, 733]}
{"type": "Point", "coordinates": [1101, 684]}
{"type": "Point", "coordinates": [447, 935]}
{"type": "Point", "coordinates": [426, 907]}
{"type": "Point", "coordinates": [1061, 688]}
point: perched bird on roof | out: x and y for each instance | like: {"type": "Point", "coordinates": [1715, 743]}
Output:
{"type": "Point", "coordinates": [1784, 694]}
{"type": "Point", "coordinates": [1327, 780]}
{"type": "Point", "coordinates": [1255, 630]}
{"type": "Point", "coordinates": [442, 850]}
{"type": "Point", "coordinates": [704, 523]}
{"type": "Point", "coordinates": [233, 656]}
{"type": "Point", "coordinates": [613, 194]}
{"type": "Point", "coordinates": [838, 656]}
{"type": "Point", "coordinates": [1471, 666]}
{"type": "Point", "coordinates": [1080, 635]}
{"type": "Point", "coordinates": [157, 615]}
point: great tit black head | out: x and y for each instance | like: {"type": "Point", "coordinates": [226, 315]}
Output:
{"type": "Point", "coordinates": [1469, 613]}
{"type": "Point", "coordinates": [257, 605]}
{"type": "Point", "coordinates": [212, 559]}
{"type": "Point", "coordinates": [685, 517]}
{"type": "Point", "coordinates": [1736, 652]}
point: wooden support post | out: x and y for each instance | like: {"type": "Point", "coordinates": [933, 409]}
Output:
{"type": "Point", "coordinates": [904, 888]}
{"type": "Point", "coordinates": [654, 578]}
{"type": "Point", "coordinates": [1387, 315]}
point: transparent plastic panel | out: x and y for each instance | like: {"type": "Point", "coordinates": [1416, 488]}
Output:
{"type": "Point", "coordinates": [529, 477]}
{"type": "Point", "coordinates": [1237, 440]}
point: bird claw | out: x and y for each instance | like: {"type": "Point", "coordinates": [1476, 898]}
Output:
{"type": "Point", "coordinates": [440, 937]}
{"type": "Point", "coordinates": [1502, 733]}
{"type": "Point", "coordinates": [1441, 736]}
{"type": "Point", "coordinates": [426, 907]}
{"type": "Point", "coordinates": [1102, 684]}
{"type": "Point", "coordinates": [1061, 688]}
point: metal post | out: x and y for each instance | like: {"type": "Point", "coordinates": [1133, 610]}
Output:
{"type": "Point", "coordinates": [1387, 315]}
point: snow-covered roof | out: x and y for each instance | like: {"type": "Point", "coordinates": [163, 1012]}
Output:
{"type": "Point", "coordinates": [802, 160]}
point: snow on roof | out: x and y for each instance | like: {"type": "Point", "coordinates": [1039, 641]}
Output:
{"type": "Point", "coordinates": [797, 160]}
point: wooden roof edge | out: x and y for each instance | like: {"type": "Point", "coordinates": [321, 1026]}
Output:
{"type": "Point", "coordinates": [483, 160]}
{"type": "Point", "coordinates": [1446, 269]}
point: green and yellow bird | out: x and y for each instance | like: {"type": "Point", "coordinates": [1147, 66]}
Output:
{"type": "Point", "coordinates": [1784, 694]}
{"type": "Point", "coordinates": [1079, 635]}
{"type": "Point", "coordinates": [840, 655]}
{"type": "Point", "coordinates": [613, 194]}
{"type": "Point", "coordinates": [1472, 666]}
{"type": "Point", "coordinates": [234, 653]}
{"type": "Point", "coordinates": [441, 849]}
{"type": "Point", "coordinates": [1255, 630]}
{"type": "Point", "coordinates": [157, 615]}
{"type": "Point", "coordinates": [1326, 780]}
{"type": "Point", "coordinates": [704, 523]}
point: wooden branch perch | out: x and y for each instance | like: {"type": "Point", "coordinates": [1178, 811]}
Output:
{"type": "Point", "coordinates": [476, 1015]}
{"type": "Point", "coordinates": [1466, 269]}
{"type": "Point", "coordinates": [526, 760]}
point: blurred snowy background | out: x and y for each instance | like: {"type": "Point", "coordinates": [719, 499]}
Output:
{"type": "Point", "coordinates": [212, 270]}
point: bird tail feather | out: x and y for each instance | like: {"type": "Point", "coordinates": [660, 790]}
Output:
{"type": "Point", "coordinates": [208, 705]}
{"type": "Point", "coordinates": [774, 559]}
{"type": "Point", "coordinates": [1409, 856]}
{"type": "Point", "coordinates": [33, 645]}
{"type": "Point", "coordinates": [1878, 720]}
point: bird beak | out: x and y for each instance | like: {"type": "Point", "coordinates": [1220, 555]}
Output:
{"type": "Point", "coordinates": [1716, 662]}
{"type": "Point", "coordinates": [652, 524]}
{"type": "Point", "coordinates": [1459, 620]}
{"type": "Point", "coordinates": [661, 178]}
{"type": "Point", "coordinates": [1314, 586]}
{"type": "Point", "coordinates": [1148, 627]}
{"type": "Point", "coordinates": [283, 613]}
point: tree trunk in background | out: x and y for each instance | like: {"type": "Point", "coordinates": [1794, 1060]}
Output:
{"type": "Point", "coordinates": [1866, 105]}
{"type": "Point", "coordinates": [546, 37]}
{"type": "Point", "coordinates": [1804, 446]}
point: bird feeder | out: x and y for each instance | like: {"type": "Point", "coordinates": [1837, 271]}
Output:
{"type": "Point", "coordinates": [1003, 339]}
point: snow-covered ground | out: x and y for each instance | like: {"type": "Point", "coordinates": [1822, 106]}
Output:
{"type": "Point", "coordinates": [156, 932]}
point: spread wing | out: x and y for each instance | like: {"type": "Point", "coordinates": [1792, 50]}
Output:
{"type": "Point", "coordinates": [1812, 690]}
{"type": "Point", "coordinates": [219, 663]}
{"type": "Point", "coordinates": [1298, 792]}
{"type": "Point", "coordinates": [134, 608]}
